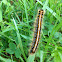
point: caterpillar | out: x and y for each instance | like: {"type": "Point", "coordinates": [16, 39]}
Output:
{"type": "Point", "coordinates": [37, 31]}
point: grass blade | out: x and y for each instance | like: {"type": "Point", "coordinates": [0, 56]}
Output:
{"type": "Point", "coordinates": [5, 60]}
{"type": "Point", "coordinates": [24, 1]}
{"type": "Point", "coordinates": [7, 36]}
{"type": "Point", "coordinates": [51, 11]}
{"type": "Point", "coordinates": [19, 39]}
{"type": "Point", "coordinates": [41, 56]}
{"type": "Point", "coordinates": [31, 58]}
{"type": "Point", "coordinates": [0, 12]}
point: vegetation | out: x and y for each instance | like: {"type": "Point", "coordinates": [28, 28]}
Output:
{"type": "Point", "coordinates": [16, 28]}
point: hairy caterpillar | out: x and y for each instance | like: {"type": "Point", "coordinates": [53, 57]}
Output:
{"type": "Point", "coordinates": [37, 31]}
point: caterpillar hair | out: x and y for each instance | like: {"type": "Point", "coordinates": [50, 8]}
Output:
{"type": "Point", "coordinates": [37, 31]}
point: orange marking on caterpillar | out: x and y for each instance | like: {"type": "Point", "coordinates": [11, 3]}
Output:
{"type": "Point", "coordinates": [37, 32]}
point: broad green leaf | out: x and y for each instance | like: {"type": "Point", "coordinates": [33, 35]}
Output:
{"type": "Point", "coordinates": [17, 53]}
{"type": "Point", "coordinates": [9, 51]}
{"type": "Point", "coordinates": [12, 46]}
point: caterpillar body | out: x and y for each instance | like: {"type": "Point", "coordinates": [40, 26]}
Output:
{"type": "Point", "coordinates": [37, 32]}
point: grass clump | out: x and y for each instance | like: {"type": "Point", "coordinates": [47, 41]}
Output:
{"type": "Point", "coordinates": [16, 24]}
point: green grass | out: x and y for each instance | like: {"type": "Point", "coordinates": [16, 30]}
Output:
{"type": "Point", "coordinates": [16, 28]}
